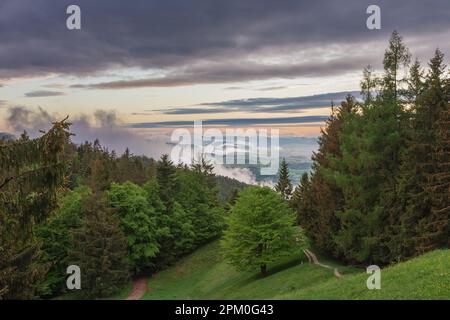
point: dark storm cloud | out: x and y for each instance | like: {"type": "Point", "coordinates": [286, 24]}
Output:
{"type": "Point", "coordinates": [43, 93]}
{"type": "Point", "coordinates": [178, 35]}
{"type": "Point", "coordinates": [232, 72]}
{"type": "Point", "coordinates": [233, 122]}
{"type": "Point", "coordinates": [266, 105]}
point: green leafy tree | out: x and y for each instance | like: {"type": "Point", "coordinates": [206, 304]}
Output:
{"type": "Point", "coordinates": [260, 230]}
{"type": "Point", "coordinates": [138, 223]}
{"type": "Point", "coordinates": [56, 240]}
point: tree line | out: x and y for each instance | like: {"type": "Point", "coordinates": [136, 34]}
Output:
{"type": "Point", "coordinates": [113, 216]}
{"type": "Point", "coordinates": [379, 191]}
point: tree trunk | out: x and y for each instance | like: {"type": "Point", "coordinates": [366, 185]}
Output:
{"type": "Point", "coordinates": [263, 269]}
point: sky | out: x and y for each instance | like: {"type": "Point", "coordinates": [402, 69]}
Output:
{"type": "Point", "coordinates": [155, 65]}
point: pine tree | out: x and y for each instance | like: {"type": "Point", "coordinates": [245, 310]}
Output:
{"type": "Point", "coordinates": [302, 202]}
{"type": "Point", "coordinates": [369, 84]}
{"type": "Point", "coordinates": [284, 185]}
{"type": "Point", "coordinates": [167, 181]}
{"type": "Point", "coordinates": [396, 56]}
{"type": "Point", "coordinates": [372, 143]}
{"type": "Point", "coordinates": [327, 197]}
{"type": "Point", "coordinates": [416, 83]}
{"type": "Point", "coordinates": [99, 250]}
{"type": "Point", "coordinates": [31, 173]}
{"type": "Point", "coordinates": [434, 227]}
{"type": "Point", "coordinates": [177, 231]}
{"type": "Point", "coordinates": [199, 198]}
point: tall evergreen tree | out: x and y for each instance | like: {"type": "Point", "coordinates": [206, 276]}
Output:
{"type": "Point", "coordinates": [434, 228]}
{"type": "Point", "coordinates": [100, 250]}
{"type": "Point", "coordinates": [371, 145]}
{"type": "Point", "coordinates": [301, 202]}
{"type": "Point", "coordinates": [327, 197]}
{"type": "Point", "coordinates": [369, 85]}
{"type": "Point", "coordinates": [167, 181]}
{"type": "Point", "coordinates": [31, 174]}
{"type": "Point", "coordinates": [422, 226]}
{"type": "Point", "coordinates": [396, 56]}
{"type": "Point", "coordinates": [284, 185]}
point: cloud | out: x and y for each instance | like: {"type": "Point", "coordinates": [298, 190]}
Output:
{"type": "Point", "coordinates": [21, 118]}
{"type": "Point", "coordinates": [266, 105]}
{"type": "Point", "coordinates": [241, 174]}
{"type": "Point", "coordinates": [103, 125]}
{"type": "Point", "coordinates": [233, 122]}
{"type": "Point", "coordinates": [306, 100]}
{"type": "Point", "coordinates": [178, 37]}
{"type": "Point", "coordinates": [43, 93]}
{"type": "Point", "coordinates": [229, 72]}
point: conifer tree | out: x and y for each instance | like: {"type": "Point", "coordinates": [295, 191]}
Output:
{"type": "Point", "coordinates": [177, 231]}
{"type": "Point", "coordinates": [31, 173]}
{"type": "Point", "coordinates": [100, 249]}
{"type": "Point", "coordinates": [369, 84]}
{"type": "Point", "coordinates": [372, 144]}
{"type": "Point", "coordinates": [327, 197]}
{"type": "Point", "coordinates": [284, 185]}
{"type": "Point", "coordinates": [167, 181]}
{"type": "Point", "coordinates": [434, 228]}
{"type": "Point", "coordinates": [301, 202]}
{"type": "Point", "coordinates": [416, 83]}
{"type": "Point", "coordinates": [396, 56]}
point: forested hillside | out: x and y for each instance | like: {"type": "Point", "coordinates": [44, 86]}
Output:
{"type": "Point", "coordinates": [151, 213]}
{"type": "Point", "coordinates": [378, 193]}
{"type": "Point", "coordinates": [380, 185]}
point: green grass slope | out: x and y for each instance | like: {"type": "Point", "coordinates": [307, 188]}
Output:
{"type": "Point", "coordinates": [204, 275]}
{"type": "Point", "coordinates": [425, 277]}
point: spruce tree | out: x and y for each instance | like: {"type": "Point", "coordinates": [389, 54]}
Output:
{"type": "Point", "coordinates": [167, 181]}
{"type": "Point", "coordinates": [302, 202]}
{"type": "Point", "coordinates": [31, 173]}
{"type": "Point", "coordinates": [372, 144]}
{"type": "Point", "coordinates": [100, 249]}
{"type": "Point", "coordinates": [327, 197]}
{"type": "Point", "coordinates": [284, 185]}
{"type": "Point", "coordinates": [435, 226]}
{"type": "Point", "coordinates": [396, 56]}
